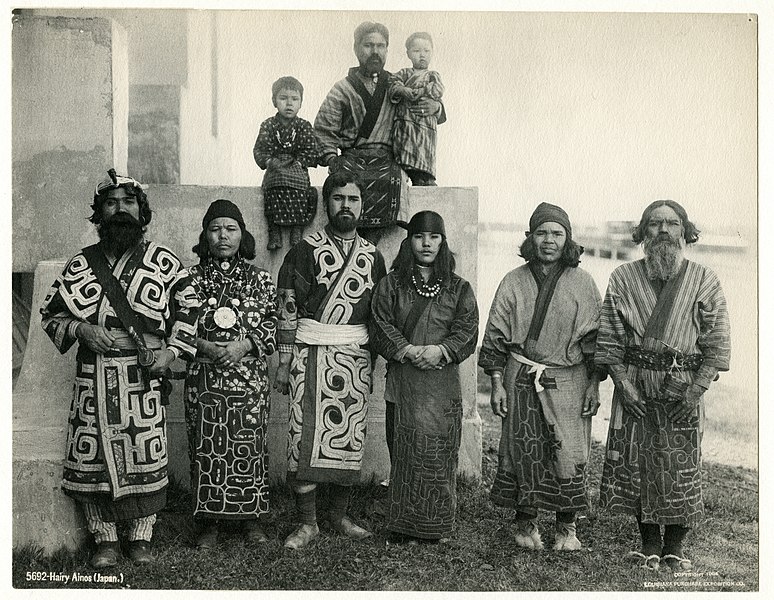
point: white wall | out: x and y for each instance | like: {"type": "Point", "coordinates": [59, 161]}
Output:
{"type": "Point", "coordinates": [601, 113]}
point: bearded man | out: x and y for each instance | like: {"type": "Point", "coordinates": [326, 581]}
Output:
{"type": "Point", "coordinates": [324, 290]}
{"type": "Point", "coordinates": [356, 118]}
{"type": "Point", "coordinates": [664, 336]}
{"type": "Point", "coordinates": [120, 299]}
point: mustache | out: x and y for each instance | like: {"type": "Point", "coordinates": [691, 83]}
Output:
{"type": "Point", "coordinates": [123, 219]}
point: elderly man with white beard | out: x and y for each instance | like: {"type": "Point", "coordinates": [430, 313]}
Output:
{"type": "Point", "coordinates": [664, 336]}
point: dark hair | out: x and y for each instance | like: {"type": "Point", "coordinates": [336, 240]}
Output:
{"type": "Point", "coordinates": [443, 266]}
{"type": "Point", "coordinates": [690, 231]}
{"type": "Point", "coordinates": [286, 83]}
{"type": "Point", "coordinates": [246, 246]}
{"type": "Point", "coordinates": [367, 27]}
{"type": "Point", "coordinates": [142, 201]}
{"type": "Point", "coordinates": [570, 254]}
{"type": "Point", "coordinates": [338, 180]}
{"type": "Point", "coordinates": [418, 35]}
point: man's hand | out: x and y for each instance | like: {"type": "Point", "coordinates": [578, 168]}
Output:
{"type": "Point", "coordinates": [97, 338]}
{"type": "Point", "coordinates": [683, 410]}
{"type": "Point", "coordinates": [232, 352]}
{"type": "Point", "coordinates": [498, 398]}
{"type": "Point", "coordinates": [282, 378]}
{"type": "Point", "coordinates": [162, 360]}
{"type": "Point", "coordinates": [431, 357]}
{"type": "Point", "coordinates": [425, 107]}
{"type": "Point", "coordinates": [591, 399]}
{"type": "Point", "coordinates": [630, 398]}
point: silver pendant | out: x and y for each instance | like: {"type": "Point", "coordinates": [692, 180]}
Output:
{"type": "Point", "coordinates": [225, 265]}
{"type": "Point", "coordinates": [225, 317]}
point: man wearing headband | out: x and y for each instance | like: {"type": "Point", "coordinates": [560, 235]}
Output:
{"type": "Point", "coordinates": [425, 323]}
{"type": "Point", "coordinates": [324, 296]}
{"type": "Point", "coordinates": [127, 304]}
{"type": "Point", "coordinates": [663, 338]}
{"type": "Point", "coordinates": [538, 350]}
{"type": "Point", "coordinates": [356, 118]}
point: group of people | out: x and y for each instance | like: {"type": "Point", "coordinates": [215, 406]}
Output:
{"type": "Point", "coordinates": [373, 123]}
{"type": "Point", "coordinates": [661, 333]}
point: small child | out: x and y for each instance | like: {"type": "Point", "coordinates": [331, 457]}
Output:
{"type": "Point", "coordinates": [414, 135]}
{"type": "Point", "coordinates": [286, 148]}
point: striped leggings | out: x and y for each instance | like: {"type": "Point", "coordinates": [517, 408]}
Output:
{"type": "Point", "coordinates": [105, 531]}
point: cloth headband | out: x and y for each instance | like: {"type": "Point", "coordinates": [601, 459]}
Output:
{"type": "Point", "coordinates": [425, 220]}
{"type": "Point", "coordinates": [545, 213]}
{"type": "Point", "coordinates": [114, 181]}
{"type": "Point", "coordinates": [223, 208]}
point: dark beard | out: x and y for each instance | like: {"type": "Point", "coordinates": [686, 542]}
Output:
{"type": "Point", "coordinates": [662, 257]}
{"type": "Point", "coordinates": [343, 223]}
{"type": "Point", "coordinates": [119, 233]}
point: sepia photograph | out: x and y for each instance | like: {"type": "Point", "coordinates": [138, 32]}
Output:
{"type": "Point", "coordinates": [424, 297]}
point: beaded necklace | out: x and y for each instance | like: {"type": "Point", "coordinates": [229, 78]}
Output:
{"type": "Point", "coordinates": [423, 288]}
{"type": "Point", "coordinates": [286, 144]}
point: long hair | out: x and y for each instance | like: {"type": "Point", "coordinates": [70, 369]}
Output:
{"type": "Point", "coordinates": [570, 254]}
{"type": "Point", "coordinates": [142, 201]}
{"type": "Point", "coordinates": [246, 246]}
{"type": "Point", "coordinates": [443, 266]}
{"type": "Point", "coordinates": [690, 231]}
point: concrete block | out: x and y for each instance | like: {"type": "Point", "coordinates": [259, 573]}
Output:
{"type": "Point", "coordinates": [70, 89]}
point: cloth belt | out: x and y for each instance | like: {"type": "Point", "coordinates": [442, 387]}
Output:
{"type": "Point", "coordinates": [662, 361]}
{"type": "Point", "coordinates": [314, 333]}
{"type": "Point", "coordinates": [537, 368]}
{"type": "Point", "coordinates": [124, 342]}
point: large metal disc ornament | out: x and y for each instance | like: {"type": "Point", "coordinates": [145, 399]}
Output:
{"type": "Point", "coordinates": [225, 317]}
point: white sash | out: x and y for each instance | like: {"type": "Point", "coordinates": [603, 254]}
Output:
{"type": "Point", "coordinates": [537, 369]}
{"type": "Point", "coordinates": [314, 333]}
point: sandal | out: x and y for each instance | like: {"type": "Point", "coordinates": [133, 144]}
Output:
{"type": "Point", "coordinates": [677, 563]}
{"type": "Point", "coordinates": [650, 562]}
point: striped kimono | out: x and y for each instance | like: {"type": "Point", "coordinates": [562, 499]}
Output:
{"type": "Point", "coordinates": [324, 295]}
{"type": "Point", "coordinates": [414, 137]}
{"type": "Point", "coordinates": [550, 320]}
{"type": "Point", "coordinates": [652, 465]}
{"type": "Point", "coordinates": [359, 124]}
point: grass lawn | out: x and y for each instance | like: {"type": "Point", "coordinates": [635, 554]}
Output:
{"type": "Point", "coordinates": [479, 557]}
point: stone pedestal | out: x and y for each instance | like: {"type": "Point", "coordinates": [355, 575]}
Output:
{"type": "Point", "coordinates": [42, 514]}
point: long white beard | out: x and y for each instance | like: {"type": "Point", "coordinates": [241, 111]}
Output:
{"type": "Point", "coordinates": [662, 257]}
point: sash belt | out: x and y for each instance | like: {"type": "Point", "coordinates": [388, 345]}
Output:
{"type": "Point", "coordinates": [537, 368]}
{"type": "Point", "coordinates": [124, 342]}
{"type": "Point", "coordinates": [314, 333]}
{"type": "Point", "coordinates": [662, 361]}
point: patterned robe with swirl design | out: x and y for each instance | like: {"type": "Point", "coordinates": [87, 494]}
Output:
{"type": "Point", "coordinates": [116, 452]}
{"type": "Point", "coordinates": [227, 408]}
{"type": "Point", "coordinates": [329, 384]}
